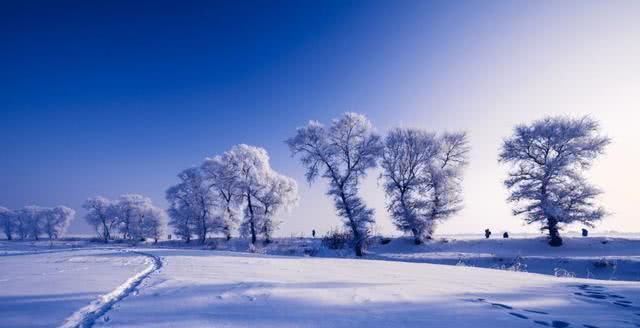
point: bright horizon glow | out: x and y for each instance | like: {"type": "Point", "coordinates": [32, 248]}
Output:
{"type": "Point", "coordinates": [122, 104]}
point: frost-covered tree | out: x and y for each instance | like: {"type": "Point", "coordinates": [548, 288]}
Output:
{"type": "Point", "coordinates": [192, 206]}
{"type": "Point", "coordinates": [138, 218]}
{"type": "Point", "coordinates": [151, 224]}
{"type": "Point", "coordinates": [57, 220]}
{"type": "Point", "coordinates": [222, 180]}
{"type": "Point", "coordinates": [252, 168]}
{"type": "Point", "coordinates": [422, 175]}
{"type": "Point", "coordinates": [547, 158]}
{"type": "Point", "coordinates": [130, 208]}
{"type": "Point", "coordinates": [342, 154]}
{"type": "Point", "coordinates": [406, 161]}
{"type": "Point", "coordinates": [278, 192]}
{"type": "Point", "coordinates": [7, 221]}
{"type": "Point", "coordinates": [445, 179]}
{"type": "Point", "coordinates": [33, 218]}
{"type": "Point", "coordinates": [102, 214]}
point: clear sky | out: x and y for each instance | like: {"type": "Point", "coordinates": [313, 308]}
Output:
{"type": "Point", "coordinates": [113, 97]}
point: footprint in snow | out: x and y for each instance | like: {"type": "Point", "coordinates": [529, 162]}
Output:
{"type": "Point", "coordinates": [513, 312]}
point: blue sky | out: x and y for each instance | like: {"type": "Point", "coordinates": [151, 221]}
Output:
{"type": "Point", "coordinates": [118, 97]}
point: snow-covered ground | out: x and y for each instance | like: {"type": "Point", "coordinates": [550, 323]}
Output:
{"type": "Point", "coordinates": [42, 290]}
{"type": "Point", "coordinates": [198, 288]}
{"type": "Point", "coordinates": [221, 285]}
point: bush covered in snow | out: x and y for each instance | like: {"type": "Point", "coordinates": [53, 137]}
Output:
{"type": "Point", "coordinates": [336, 239]}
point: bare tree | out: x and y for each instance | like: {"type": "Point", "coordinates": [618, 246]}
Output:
{"type": "Point", "coordinates": [342, 154]}
{"type": "Point", "coordinates": [547, 158]}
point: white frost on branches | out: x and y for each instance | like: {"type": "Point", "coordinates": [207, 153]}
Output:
{"type": "Point", "coordinates": [341, 153]}
{"type": "Point", "coordinates": [547, 158]}
{"type": "Point", "coordinates": [422, 176]}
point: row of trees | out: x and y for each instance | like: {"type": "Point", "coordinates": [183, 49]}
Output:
{"type": "Point", "coordinates": [133, 216]}
{"type": "Point", "coordinates": [35, 222]}
{"type": "Point", "coordinates": [421, 175]}
{"type": "Point", "coordinates": [237, 187]}
{"type": "Point", "coordinates": [422, 172]}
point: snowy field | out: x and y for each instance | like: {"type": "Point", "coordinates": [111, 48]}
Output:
{"type": "Point", "coordinates": [221, 285]}
{"type": "Point", "coordinates": [42, 290]}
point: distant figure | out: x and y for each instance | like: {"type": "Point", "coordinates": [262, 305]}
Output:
{"type": "Point", "coordinates": [169, 237]}
{"type": "Point", "coordinates": [585, 232]}
{"type": "Point", "coordinates": [487, 233]}
{"type": "Point", "coordinates": [505, 235]}
{"type": "Point", "coordinates": [313, 233]}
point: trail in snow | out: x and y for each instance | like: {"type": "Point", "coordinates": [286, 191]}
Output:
{"type": "Point", "coordinates": [86, 316]}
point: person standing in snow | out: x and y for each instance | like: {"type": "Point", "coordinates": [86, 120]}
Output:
{"type": "Point", "coordinates": [585, 232]}
{"type": "Point", "coordinates": [505, 235]}
{"type": "Point", "coordinates": [313, 233]}
{"type": "Point", "coordinates": [487, 233]}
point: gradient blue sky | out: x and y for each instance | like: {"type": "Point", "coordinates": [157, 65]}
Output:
{"type": "Point", "coordinates": [117, 97]}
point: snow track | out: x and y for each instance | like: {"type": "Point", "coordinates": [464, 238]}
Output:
{"type": "Point", "coordinates": [86, 316]}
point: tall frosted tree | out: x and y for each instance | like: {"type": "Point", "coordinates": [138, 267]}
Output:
{"type": "Point", "coordinates": [262, 190]}
{"type": "Point", "coordinates": [278, 193]}
{"type": "Point", "coordinates": [222, 179]}
{"type": "Point", "coordinates": [192, 206]}
{"type": "Point", "coordinates": [129, 210]}
{"type": "Point", "coordinates": [102, 214]}
{"type": "Point", "coordinates": [445, 178]}
{"type": "Point", "coordinates": [33, 220]}
{"type": "Point", "coordinates": [138, 218]}
{"type": "Point", "coordinates": [422, 174]}
{"type": "Point", "coordinates": [406, 160]}
{"type": "Point", "coordinates": [341, 153]}
{"type": "Point", "coordinates": [57, 220]}
{"type": "Point", "coordinates": [547, 159]}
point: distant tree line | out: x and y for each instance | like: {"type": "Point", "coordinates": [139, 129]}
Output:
{"type": "Point", "coordinates": [131, 217]}
{"type": "Point", "coordinates": [35, 222]}
{"type": "Point", "coordinates": [421, 175]}
{"type": "Point", "coordinates": [238, 187]}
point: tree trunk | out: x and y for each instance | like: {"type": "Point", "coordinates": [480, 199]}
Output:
{"type": "Point", "coordinates": [417, 237]}
{"type": "Point", "coordinates": [105, 232]}
{"type": "Point", "coordinates": [554, 234]}
{"type": "Point", "coordinates": [251, 221]}
{"type": "Point", "coordinates": [357, 238]}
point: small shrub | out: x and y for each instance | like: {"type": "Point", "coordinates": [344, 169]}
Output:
{"type": "Point", "coordinates": [310, 251]}
{"type": "Point", "coordinates": [604, 263]}
{"type": "Point", "coordinates": [211, 244]}
{"type": "Point", "coordinates": [252, 248]}
{"type": "Point", "coordinates": [562, 273]}
{"type": "Point", "coordinates": [336, 239]}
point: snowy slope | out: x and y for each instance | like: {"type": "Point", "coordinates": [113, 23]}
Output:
{"type": "Point", "coordinates": [198, 288]}
{"type": "Point", "coordinates": [41, 290]}
{"type": "Point", "coordinates": [596, 258]}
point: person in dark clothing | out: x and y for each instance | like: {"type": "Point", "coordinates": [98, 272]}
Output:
{"type": "Point", "coordinates": [585, 232]}
{"type": "Point", "coordinates": [487, 233]}
{"type": "Point", "coordinates": [505, 235]}
{"type": "Point", "coordinates": [313, 233]}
